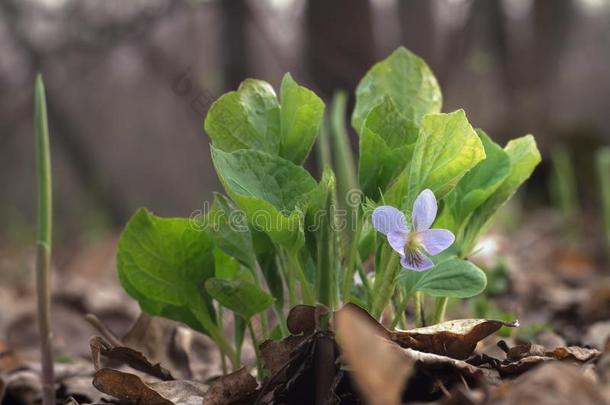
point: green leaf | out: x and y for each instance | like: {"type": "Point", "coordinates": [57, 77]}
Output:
{"type": "Point", "coordinates": [446, 149]}
{"type": "Point", "coordinates": [301, 116]}
{"type": "Point", "coordinates": [164, 263]}
{"type": "Point", "coordinates": [253, 118]}
{"type": "Point", "coordinates": [524, 157]}
{"type": "Point", "coordinates": [270, 190]}
{"type": "Point", "coordinates": [248, 118]}
{"type": "Point", "coordinates": [228, 227]}
{"type": "Point", "coordinates": [225, 266]}
{"type": "Point", "coordinates": [450, 278]}
{"type": "Point", "coordinates": [320, 231]}
{"type": "Point", "coordinates": [386, 146]}
{"type": "Point", "coordinates": [476, 186]}
{"type": "Point", "coordinates": [406, 80]}
{"type": "Point", "coordinates": [240, 296]}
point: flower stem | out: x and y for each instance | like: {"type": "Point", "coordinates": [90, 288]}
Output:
{"type": "Point", "coordinates": [384, 286]}
{"type": "Point", "coordinates": [348, 276]}
{"type": "Point", "coordinates": [43, 257]}
{"type": "Point", "coordinates": [420, 316]}
{"type": "Point", "coordinates": [399, 314]}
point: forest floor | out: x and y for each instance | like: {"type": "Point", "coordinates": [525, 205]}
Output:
{"type": "Point", "coordinates": [556, 285]}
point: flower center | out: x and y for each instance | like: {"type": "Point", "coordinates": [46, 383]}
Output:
{"type": "Point", "coordinates": [413, 242]}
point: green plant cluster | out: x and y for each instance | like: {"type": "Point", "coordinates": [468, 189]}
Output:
{"type": "Point", "coordinates": [281, 237]}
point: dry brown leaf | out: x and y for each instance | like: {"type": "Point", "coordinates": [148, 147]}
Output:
{"type": "Point", "coordinates": [456, 339]}
{"type": "Point", "coordinates": [552, 384]}
{"type": "Point", "coordinates": [379, 366]}
{"type": "Point", "coordinates": [181, 392]}
{"type": "Point", "coordinates": [432, 361]}
{"type": "Point", "coordinates": [162, 341]}
{"type": "Point", "coordinates": [239, 387]}
{"type": "Point", "coordinates": [127, 387]}
{"type": "Point", "coordinates": [125, 355]}
{"type": "Point", "coordinates": [277, 354]}
{"type": "Point", "coordinates": [305, 319]}
{"type": "Point", "coordinates": [575, 353]}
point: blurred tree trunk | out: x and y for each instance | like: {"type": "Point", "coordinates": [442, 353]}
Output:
{"type": "Point", "coordinates": [340, 46]}
{"type": "Point", "coordinates": [417, 28]}
{"type": "Point", "coordinates": [235, 57]}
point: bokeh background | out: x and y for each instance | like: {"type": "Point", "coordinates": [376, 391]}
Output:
{"type": "Point", "coordinates": [129, 82]}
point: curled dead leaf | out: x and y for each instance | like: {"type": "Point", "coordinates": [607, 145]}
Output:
{"type": "Point", "coordinates": [276, 354]}
{"type": "Point", "coordinates": [305, 319]}
{"type": "Point", "coordinates": [380, 367]}
{"type": "Point", "coordinates": [126, 355]}
{"type": "Point", "coordinates": [127, 387]}
{"type": "Point", "coordinates": [239, 387]}
{"type": "Point", "coordinates": [456, 339]}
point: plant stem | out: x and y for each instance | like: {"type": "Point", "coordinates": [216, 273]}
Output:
{"type": "Point", "coordinates": [439, 311]}
{"type": "Point", "coordinates": [265, 324]}
{"type": "Point", "coordinates": [288, 277]}
{"type": "Point", "coordinates": [214, 332]}
{"type": "Point", "coordinates": [219, 321]}
{"type": "Point", "coordinates": [354, 258]}
{"type": "Point", "coordinates": [323, 148]}
{"type": "Point", "coordinates": [43, 257]}
{"type": "Point", "coordinates": [603, 170]}
{"type": "Point", "coordinates": [295, 264]}
{"type": "Point", "coordinates": [256, 349]}
{"type": "Point", "coordinates": [400, 312]}
{"type": "Point", "coordinates": [420, 316]}
{"type": "Point", "coordinates": [384, 286]}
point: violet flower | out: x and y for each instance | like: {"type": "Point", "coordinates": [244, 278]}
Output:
{"type": "Point", "coordinates": [412, 246]}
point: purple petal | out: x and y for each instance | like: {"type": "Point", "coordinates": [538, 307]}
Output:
{"type": "Point", "coordinates": [416, 261]}
{"type": "Point", "coordinates": [436, 240]}
{"type": "Point", "coordinates": [387, 219]}
{"type": "Point", "coordinates": [424, 210]}
{"type": "Point", "coordinates": [398, 239]}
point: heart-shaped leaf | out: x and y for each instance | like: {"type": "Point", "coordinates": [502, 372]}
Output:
{"type": "Point", "coordinates": [386, 146]}
{"type": "Point", "coordinates": [524, 157]}
{"type": "Point", "coordinates": [270, 190]}
{"type": "Point", "coordinates": [163, 263]}
{"type": "Point", "coordinates": [475, 187]}
{"type": "Point", "coordinates": [248, 118]}
{"type": "Point", "coordinates": [406, 80]}
{"type": "Point", "coordinates": [446, 149]}
{"type": "Point", "coordinates": [229, 229]}
{"type": "Point", "coordinates": [253, 118]}
{"type": "Point", "coordinates": [301, 116]}
{"type": "Point", "coordinates": [450, 278]}
{"type": "Point", "coordinates": [240, 296]}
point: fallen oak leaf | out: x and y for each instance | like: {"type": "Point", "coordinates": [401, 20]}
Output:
{"type": "Point", "coordinates": [456, 339]}
{"type": "Point", "coordinates": [576, 353]}
{"type": "Point", "coordinates": [127, 387]}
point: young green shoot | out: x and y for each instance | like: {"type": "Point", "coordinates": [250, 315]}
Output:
{"type": "Point", "coordinates": [43, 256]}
